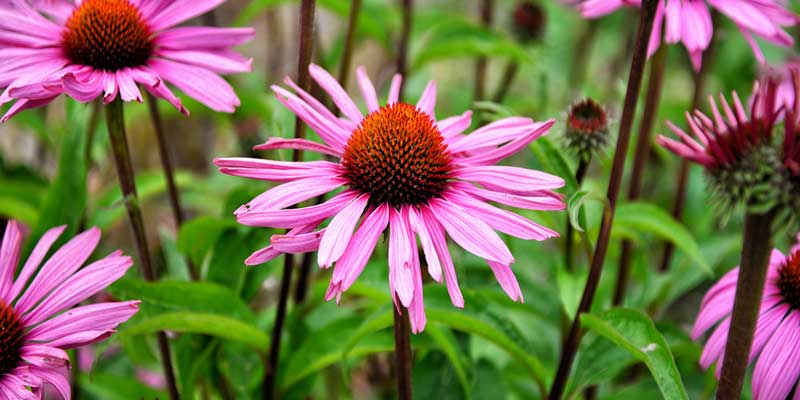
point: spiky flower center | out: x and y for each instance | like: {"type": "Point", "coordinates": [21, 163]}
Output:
{"type": "Point", "coordinates": [108, 35]}
{"type": "Point", "coordinates": [397, 155]}
{"type": "Point", "coordinates": [587, 116]}
{"type": "Point", "coordinates": [11, 337]}
{"type": "Point", "coordinates": [789, 280]}
{"type": "Point", "coordinates": [587, 128]}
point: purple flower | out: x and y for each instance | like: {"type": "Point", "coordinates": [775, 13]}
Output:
{"type": "Point", "coordinates": [403, 169]}
{"type": "Point", "coordinates": [38, 317]}
{"type": "Point", "coordinates": [776, 344]}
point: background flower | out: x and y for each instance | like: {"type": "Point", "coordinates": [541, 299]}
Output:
{"type": "Point", "coordinates": [109, 47]}
{"type": "Point", "coordinates": [36, 309]}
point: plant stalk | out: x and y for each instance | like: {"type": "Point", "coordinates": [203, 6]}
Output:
{"type": "Point", "coordinates": [679, 202]}
{"type": "Point", "coordinates": [402, 352]}
{"type": "Point", "coordinates": [402, 45]}
{"type": "Point", "coordinates": [487, 8]}
{"type": "Point", "coordinates": [756, 248]}
{"type": "Point", "coordinates": [306, 45]}
{"type": "Point", "coordinates": [169, 173]}
{"type": "Point", "coordinates": [115, 121]}
{"type": "Point", "coordinates": [509, 74]}
{"type": "Point", "coordinates": [301, 288]}
{"type": "Point", "coordinates": [642, 153]}
{"type": "Point", "coordinates": [580, 57]}
{"type": "Point", "coordinates": [570, 345]}
{"type": "Point", "coordinates": [569, 244]}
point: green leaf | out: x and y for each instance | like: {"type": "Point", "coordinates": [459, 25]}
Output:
{"type": "Point", "coordinates": [554, 162]}
{"type": "Point", "coordinates": [325, 347]}
{"type": "Point", "coordinates": [599, 360]}
{"type": "Point", "coordinates": [635, 332]}
{"type": "Point", "coordinates": [644, 217]}
{"type": "Point", "coordinates": [200, 297]}
{"type": "Point", "coordinates": [114, 387]}
{"type": "Point", "coordinates": [447, 343]}
{"type": "Point", "coordinates": [197, 237]}
{"type": "Point", "coordinates": [488, 328]}
{"type": "Point", "coordinates": [65, 201]}
{"type": "Point", "coordinates": [110, 207]}
{"type": "Point", "coordinates": [449, 36]}
{"type": "Point", "coordinates": [207, 324]}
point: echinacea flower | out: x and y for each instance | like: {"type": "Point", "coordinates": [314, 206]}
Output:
{"type": "Point", "coordinates": [399, 167]}
{"type": "Point", "coordinates": [587, 128]}
{"type": "Point", "coordinates": [37, 318]}
{"type": "Point", "coordinates": [689, 22]}
{"type": "Point", "coordinates": [107, 48]}
{"type": "Point", "coordinates": [736, 150]}
{"type": "Point", "coordinates": [776, 344]}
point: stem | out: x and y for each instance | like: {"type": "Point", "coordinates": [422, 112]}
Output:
{"type": "Point", "coordinates": [402, 46]}
{"type": "Point", "coordinates": [210, 18]}
{"type": "Point", "coordinates": [91, 129]}
{"type": "Point", "coordinates": [119, 144]}
{"type": "Point", "coordinates": [679, 201]}
{"type": "Point", "coordinates": [487, 6]}
{"type": "Point", "coordinates": [505, 82]}
{"type": "Point", "coordinates": [580, 57]}
{"type": "Point", "coordinates": [654, 84]}
{"type": "Point", "coordinates": [349, 42]}
{"type": "Point", "coordinates": [570, 346]}
{"type": "Point", "coordinates": [402, 352]}
{"type": "Point", "coordinates": [756, 247]}
{"type": "Point", "coordinates": [569, 256]}
{"type": "Point", "coordinates": [275, 41]}
{"type": "Point", "coordinates": [303, 81]}
{"type": "Point", "coordinates": [301, 287]}
{"type": "Point", "coordinates": [169, 174]}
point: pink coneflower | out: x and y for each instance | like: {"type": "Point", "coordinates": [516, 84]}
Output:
{"type": "Point", "coordinates": [37, 318]}
{"type": "Point", "coordinates": [777, 339]}
{"type": "Point", "coordinates": [689, 22]}
{"type": "Point", "coordinates": [108, 47]}
{"type": "Point", "coordinates": [736, 148]}
{"type": "Point", "coordinates": [723, 141]}
{"type": "Point", "coordinates": [399, 167]}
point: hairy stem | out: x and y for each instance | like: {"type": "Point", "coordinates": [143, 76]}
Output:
{"type": "Point", "coordinates": [402, 353]}
{"type": "Point", "coordinates": [306, 45]}
{"type": "Point", "coordinates": [570, 345]}
{"type": "Point", "coordinates": [301, 288]}
{"type": "Point", "coordinates": [509, 74]}
{"type": "Point", "coordinates": [169, 173]}
{"type": "Point", "coordinates": [487, 8]}
{"type": "Point", "coordinates": [756, 247]}
{"type": "Point", "coordinates": [402, 45]}
{"type": "Point", "coordinates": [119, 143]}
{"type": "Point", "coordinates": [642, 152]}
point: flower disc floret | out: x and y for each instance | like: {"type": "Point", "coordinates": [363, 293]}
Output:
{"type": "Point", "coordinates": [108, 35]}
{"type": "Point", "coordinates": [397, 156]}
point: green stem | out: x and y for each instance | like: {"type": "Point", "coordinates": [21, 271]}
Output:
{"type": "Point", "coordinates": [115, 121]}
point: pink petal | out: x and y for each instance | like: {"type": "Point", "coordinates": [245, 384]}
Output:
{"type": "Point", "coordinates": [472, 234]}
{"type": "Point", "coordinates": [340, 230]}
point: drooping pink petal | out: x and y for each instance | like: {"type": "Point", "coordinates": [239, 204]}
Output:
{"type": "Point", "coordinates": [778, 368]}
{"type": "Point", "coordinates": [472, 234]}
{"type": "Point", "coordinates": [340, 230]}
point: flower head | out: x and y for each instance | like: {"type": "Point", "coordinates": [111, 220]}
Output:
{"type": "Point", "coordinates": [38, 317]}
{"type": "Point", "coordinates": [109, 47]}
{"type": "Point", "coordinates": [776, 344]}
{"type": "Point", "coordinates": [530, 21]}
{"type": "Point", "coordinates": [689, 22]}
{"type": "Point", "coordinates": [400, 168]}
{"type": "Point", "coordinates": [587, 128]}
{"type": "Point", "coordinates": [736, 150]}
